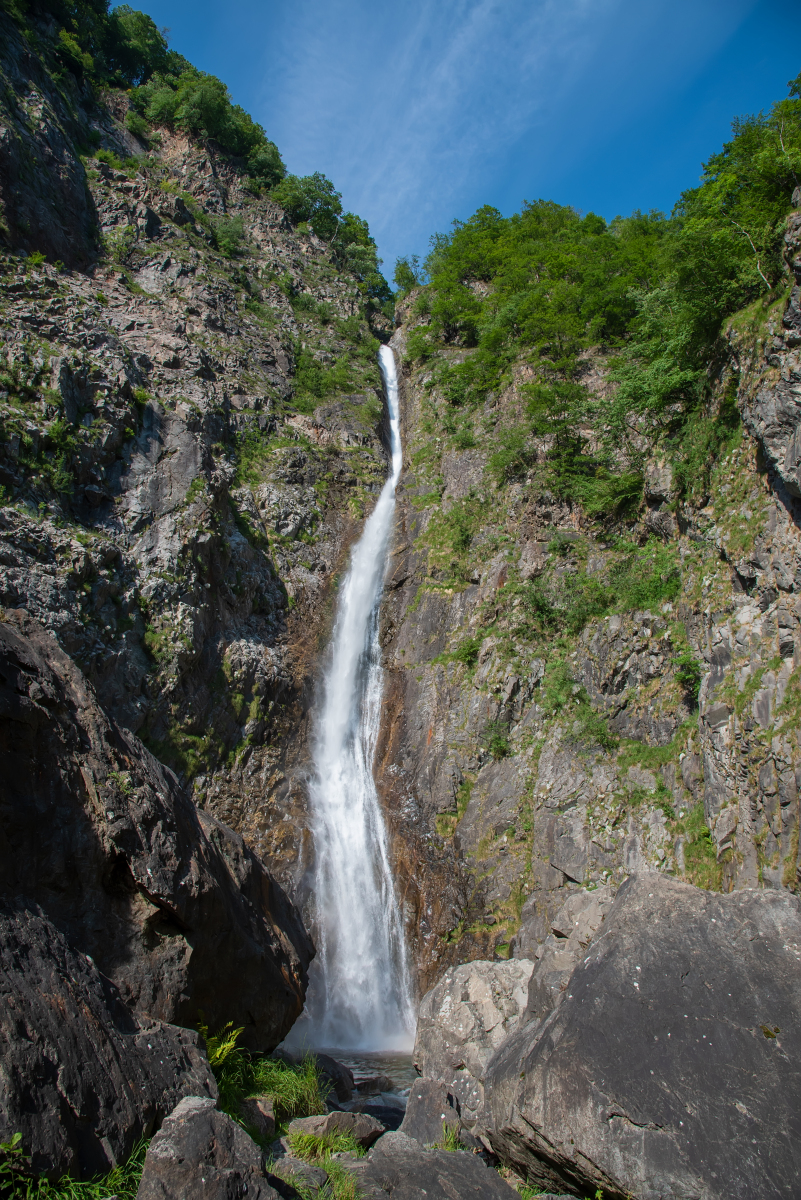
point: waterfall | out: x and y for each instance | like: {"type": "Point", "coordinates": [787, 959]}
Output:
{"type": "Point", "coordinates": [359, 995]}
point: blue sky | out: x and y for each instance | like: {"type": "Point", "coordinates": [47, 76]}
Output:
{"type": "Point", "coordinates": [422, 110]}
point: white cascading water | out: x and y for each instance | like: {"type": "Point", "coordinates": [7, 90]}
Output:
{"type": "Point", "coordinates": [360, 994]}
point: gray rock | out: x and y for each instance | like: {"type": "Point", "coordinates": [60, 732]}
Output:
{"type": "Point", "coordinates": [201, 1152]}
{"type": "Point", "coordinates": [295, 1171]}
{"type": "Point", "coordinates": [671, 1067]}
{"type": "Point", "coordinates": [81, 1077]}
{"type": "Point", "coordinates": [399, 1167]}
{"type": "Point", "coordinates": [362, 1128]}
{"type": "Point", "coordinates": [573, 927]}
{"type": "Point", "coordinates": [431, 1107]}
{"type": "Point", "coordinates": [258, 1114]}
{"type": "Point", "coordinates": [464, 1019]}
{"type": "Point", "coordinates": [339, 1076]}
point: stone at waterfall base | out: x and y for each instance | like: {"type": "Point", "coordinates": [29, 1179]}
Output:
{"type": "Point", "coordinates": [363, 1129]}
{"type": "Point", "coordinates": [671, 1065]}
{"type": "Point", "coordinates": [200, 1151]}
{"type": "Point", "coordinates": [400, 1168]}
{"type": "Point", "coordinates": [431, 1108]}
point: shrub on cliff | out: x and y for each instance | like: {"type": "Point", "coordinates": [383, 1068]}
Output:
{"type": "Point", "coordinates": [547, 284]}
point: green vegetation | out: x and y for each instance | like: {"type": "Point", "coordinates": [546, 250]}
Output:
{"type": "Point", "coordinates": [16, 1181]}
{"type": "Point", "coordinates": [313, 201]}
{"type": "Point", "coordinates": [700, 856]}
{"type": "Point", "coordinates": [318, 1148]}
{"type": "Point", "coordinates": [550, 287]}
{"type": "Point", "coordinates": [296, 1091]}
{"type": "Point", "coordinates": [450, 1137]}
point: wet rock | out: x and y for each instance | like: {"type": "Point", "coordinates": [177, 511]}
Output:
{"type": "Point", "coordinates": [671, 1065]}
{"type": "Point", "coordinates": [398, 1166]}
{"type": "Point", "coordinates": [371, 1085]}
{"type": "Point", "coordinates": [83, 1078]}
{"type": "Point", "coordinates": [201, 1152]}
{"type": "Point", "coordinates": [390, 1115]}
{"type": "Point", "coordinates": [464, 1019]}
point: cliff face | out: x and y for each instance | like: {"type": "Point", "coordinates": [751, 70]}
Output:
{"type": "Point", "coordinates": [182, 480]}
{"type": "Point", "coordinates": [518, 768]}
{"type": "Point", "coordinates": [174, 509]}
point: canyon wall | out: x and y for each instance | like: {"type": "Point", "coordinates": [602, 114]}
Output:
{"type": "Point", "coordinates": [662, 737]}
{"type": "Point", "coordinates": [177, 505]}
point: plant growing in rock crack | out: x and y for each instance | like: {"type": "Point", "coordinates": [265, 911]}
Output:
{"type": "Point", "coordinates": [450, 1137]}
{"type": "Point", "coordinates": [689, 673]}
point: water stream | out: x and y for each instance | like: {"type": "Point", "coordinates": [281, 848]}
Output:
{"type": "Point", "coordinates": [360, 995]}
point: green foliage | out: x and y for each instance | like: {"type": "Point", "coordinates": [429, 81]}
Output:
{"type": "Point", "coordinates": [700, 856]}
{"type": "Point", "coordinates": [313, 199]}
{"type": "Point", "coordinates": [408, 273]}
{"type": "Point", "coordinates": [467, 650]}
{"type": "Point", "coordinates": [512, 458]}
{"type": "Point", "coordinates": [591, 728]}
{"type": "Point", "coordinates": [495, 737]}
{"type": "Point", "coordinates": [315, 1148]}
{"type": "Point", "coordinates": [558, 685]}
{"type": "Point", "coordinates": [191, 100]}
{"type": "Point", "coordinates": [229, 233]}
{"type": "Point", "coordinates": [689, 672]}
{"type": "Point", "coordinates": [16, 1180]}
{"type": "Point", "coordinates": [450, 1137]}
{"type": "Point", "coordinates": [296, 1091]}
{"type": "Point", "coordinates": [547, 285]}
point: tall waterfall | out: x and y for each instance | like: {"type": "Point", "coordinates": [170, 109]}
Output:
{"type": "Point", "coordinates": [360, 996]}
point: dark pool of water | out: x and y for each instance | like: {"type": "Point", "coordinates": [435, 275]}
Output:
{"type": "Point", "coordinates": [377, 1062]}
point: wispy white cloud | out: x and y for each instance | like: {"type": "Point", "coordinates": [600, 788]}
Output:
{"type": "Point", "coordinates": [416, 110]}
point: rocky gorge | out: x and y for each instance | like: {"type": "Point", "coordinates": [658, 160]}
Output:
{"type": "Point", "coordinates": [589, 832]}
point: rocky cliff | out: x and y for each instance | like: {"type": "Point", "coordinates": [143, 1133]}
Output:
{"type": "Point", "coordinates": [192, 423]}
{"type": "Point", "coordinates": [520, 767]}
{"type": "Point", "coordinates": [192, 431]}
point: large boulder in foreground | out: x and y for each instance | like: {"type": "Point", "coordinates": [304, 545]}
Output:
{"type": "Point", "coordinates": [81, 1077]}
{"type": "Point", "coordinates": [672, 1065]}
{"type": "Point", "coordinates": [201, 1152]}
{"type": "Point", "coordinates": [171, 905]}
{"type": "Point", "coordinates": [462, 1022]}
{"type": "Point", "coordinates": [400, 1167]}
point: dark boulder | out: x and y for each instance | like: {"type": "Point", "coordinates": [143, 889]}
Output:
{"type": "Point", "coordinates": [431, 1107]}
{"type": "Point", "coordinates": [201, 1152]}
{"type": "Point", "coordinates": [171, 905]}
{"type": "Point", "coordinates": [82, 1078]}
{"type": "Point", "coordinates": [672, 1066]}
{"type": "Point", "coordinates": [400, 1167]}
{"type": "Point", "coordinates": [337, 1075]}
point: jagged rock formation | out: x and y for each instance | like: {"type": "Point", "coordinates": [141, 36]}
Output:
{"type": "Point", "coordinates": [175, 504]}
{"type": "Point", "coordinates": [82, 1077]}
{"type": "Point", "coordinates": [514, 800]}
{"type": "Point", "coordinates": [168, 903]}
{"type": "Point", "coordinates": [670, 1067]}
{"type": "Point", "coordinates": [200, 1151]}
